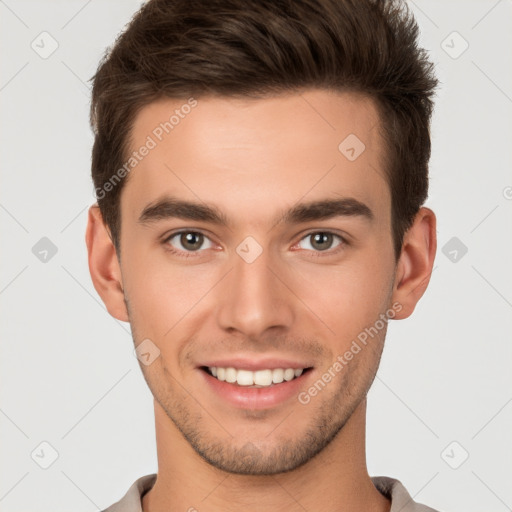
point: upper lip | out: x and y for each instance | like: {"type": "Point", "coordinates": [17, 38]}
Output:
{"type": "Point", "coordinates": [254, 363]}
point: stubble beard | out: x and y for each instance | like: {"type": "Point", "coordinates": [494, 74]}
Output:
{"type": "Point", "coordinates": [327, 421]}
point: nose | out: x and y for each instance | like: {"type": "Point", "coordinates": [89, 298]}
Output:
{"type": "Point", "coordinates": [256, 298]}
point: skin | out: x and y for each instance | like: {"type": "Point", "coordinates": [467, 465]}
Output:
{"type": "Point", "coordinates": [252, 159]}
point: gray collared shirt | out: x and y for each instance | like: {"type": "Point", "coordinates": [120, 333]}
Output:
{"type": "Point", "coordinates": [391, 488]}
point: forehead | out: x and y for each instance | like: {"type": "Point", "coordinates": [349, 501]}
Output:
{"type": "Point", "coordinates": [247, 155]}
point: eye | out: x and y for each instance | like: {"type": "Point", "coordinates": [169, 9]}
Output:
{"type": "Point", "coordinates": [322, 241]}
{"type": "Point", "coordinates": [190, 241]}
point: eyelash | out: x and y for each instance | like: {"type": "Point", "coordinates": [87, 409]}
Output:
{"type": "Point", "coordinates": [315, 254]}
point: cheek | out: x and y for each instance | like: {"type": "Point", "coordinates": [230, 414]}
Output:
{"type": "Point", "coordinates": [162, 294]}
{"type": "Point", "coordinates": [347, 297]}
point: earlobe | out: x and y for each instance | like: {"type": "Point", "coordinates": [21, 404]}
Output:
{"type": "Point", "coordinates": [104, 265]}
{"type": "Point", "coordinates": [416, 262]}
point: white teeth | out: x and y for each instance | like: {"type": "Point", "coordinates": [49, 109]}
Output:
{"type": "Point", "coordinates": [262, 378]}
{"type": "Point", "coordinates": [289, 373]}
{"type": "Point", "coordinates": [277, 375]}
{"type": "Point", "coordinates": [245, 378]}
{"type": "Point", "coordinates": [230, 375]}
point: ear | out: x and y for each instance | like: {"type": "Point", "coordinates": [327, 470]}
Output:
{"type": "Point", "coordinates": [104, 265]}
{"type": "Point", "coordinates": [415, 264]}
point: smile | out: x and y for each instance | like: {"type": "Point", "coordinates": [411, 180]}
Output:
{"type": "Point", "coordinates": [259, 378]}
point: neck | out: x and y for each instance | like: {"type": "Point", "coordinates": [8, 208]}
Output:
{"type": "Point", "coordinates": [335, 479]}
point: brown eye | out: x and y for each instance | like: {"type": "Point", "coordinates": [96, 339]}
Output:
{"type": "Point", "coordinates": [321, 241]}
{"type": "Point", "coordinates": [191, 241]}
{"type": "Point", "coordinates": [188, 241]}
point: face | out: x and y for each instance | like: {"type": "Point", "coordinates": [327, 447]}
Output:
{"type": "Point", "coordinates": [254, 250]}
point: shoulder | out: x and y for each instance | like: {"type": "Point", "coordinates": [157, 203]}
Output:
{"type": "Point", "coordinates": [131, 501]}
{"type": "Point", "coordinates": [401, 500]}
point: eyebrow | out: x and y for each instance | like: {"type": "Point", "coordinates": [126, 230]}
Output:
{"type": "Point", "coordinates": [171, 207]}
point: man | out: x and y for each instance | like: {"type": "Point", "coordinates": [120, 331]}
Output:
{"type": "Point", "coordinates": [234, 139]}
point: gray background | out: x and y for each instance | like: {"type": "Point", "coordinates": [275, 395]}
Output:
{"type": "Point", "coordinates": [69, 376]}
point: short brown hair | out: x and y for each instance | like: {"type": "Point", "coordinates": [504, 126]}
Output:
{"type": "Point", "coordinates": [258, 48]}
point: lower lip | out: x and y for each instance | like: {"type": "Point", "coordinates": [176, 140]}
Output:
{"type": "Point", "coordinates": [246, 397]}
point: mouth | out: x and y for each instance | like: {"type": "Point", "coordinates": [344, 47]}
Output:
{"type": "Point", "coordinates": [254, 383]}
{"type": "Point", "coordinates": [263, 378]}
